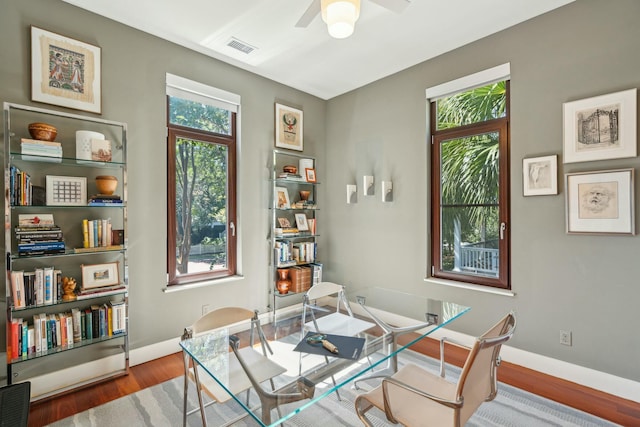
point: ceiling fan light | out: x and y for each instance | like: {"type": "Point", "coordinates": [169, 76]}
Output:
{"type": "Point", "coordinates": [340, 16]}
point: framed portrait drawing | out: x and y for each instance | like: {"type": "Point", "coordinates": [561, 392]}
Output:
{"type": "Point", "coordinates": [301, 222]}
{"type": "Point", "coordinates": [540, 176]}
{"type": "Point", "coordinates": [289, 127]}
{"type": "Point", "coordinates": [99, 275]}
{"type": "Point", "coordinates": [310, 174]}
{"type": "Point", "coordinates": [65, 72]}
{"type": "Point", "coordinates": [284, 222]}
{"type": "Point", "coordinates": [599, 128]}
{"type": "Point", "coordinates": [282, 198]}
{"type": "Point", "coordinates": [600, 202]}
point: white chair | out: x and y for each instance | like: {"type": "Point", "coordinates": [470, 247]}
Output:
{"type": "Point", "coordinates": [413, 395]}
{"type": "Point", "coordinates": [336, 322]}
{"type": "Point", "coordinates": [262, 367]}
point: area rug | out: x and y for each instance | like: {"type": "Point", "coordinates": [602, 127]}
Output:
{"type": "Point", "coordinates": [161, 405]}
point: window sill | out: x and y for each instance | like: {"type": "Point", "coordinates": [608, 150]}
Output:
{"type": "Point", "coordinates": [203, 284]}
{"type": "Point", "coordinates": [470, 286]}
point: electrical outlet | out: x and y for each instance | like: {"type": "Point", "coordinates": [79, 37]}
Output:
{"type": "Point", "coordinates": [205, 309]}
{"type": "Point", "coordinates": [565, 337]}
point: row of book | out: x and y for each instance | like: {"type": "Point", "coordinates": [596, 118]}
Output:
{"type": "Point", "coordinates": [51, 331]}
{"type": "Point", "coordinates": [39, 240]}
{"type": "Point", "coordinates": [20, 187]}
{"type": "Point", "coordinates": [36, 147]}
{"type": "Point", "coordinates": [40, 287]}
{"type": "Point", "coordinates": [289, 253]}
{"type": "Point", "coordinates": [96, 233]}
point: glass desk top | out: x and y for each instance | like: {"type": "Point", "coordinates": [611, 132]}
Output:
{"type": "Point", "coordinates": [304, 379]}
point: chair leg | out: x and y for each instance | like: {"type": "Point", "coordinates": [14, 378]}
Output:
{"type": "Point", "coordinates": [362, 406]}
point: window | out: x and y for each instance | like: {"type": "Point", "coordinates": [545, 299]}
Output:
{"type": "Point", "coordinates": [470, 185]}
{"type": "Point", "coordinates": [201, 183]}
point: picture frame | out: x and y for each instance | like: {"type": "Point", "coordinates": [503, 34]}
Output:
{"type": "Point", "coordinates": [100, 275]}
{"type": "Point", "coordinates": [65, 72]}
{"type": "Point", "coordinates": [310, 174]}
{"type": "Point", "coordinates": [66, 190]}
{"type": "Point", "coordinates": [301, 222]}
{"type": "Point", "coordinates": [289, 128]}
{"type": "Point", "coordinates": [281, 198]}
{"type": "Point", "coordinates": [600, 202]}
{"type": "Point", "coordinates": [284, 222]}
{"type": "Point", "coordinates": [101, 150]}
{"type": "Point", "coordinates": [601, 127]}
{"type": "Point", "coordinates": [540, 176]}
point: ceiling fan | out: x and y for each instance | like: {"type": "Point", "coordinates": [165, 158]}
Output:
{"type": "Point", "coordinates": [318, 6]}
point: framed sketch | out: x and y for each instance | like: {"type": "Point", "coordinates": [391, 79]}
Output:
{"type": "Point", "coordinates": [66, 190]}
{"type": "Point", "coordinates": [540, 175]}
{"type": "Point", "coordinates": [101, 150]}
{"type": "Point", "coordinates": [310, 174]}
{"type": "Point", "coordinates": [289, 126]}
{"type": "Point", "coordinates": [99, 275]}
{"type": "Point", "coordinates": [301, 222]}
{"type": "Point", "coordinates": [602, 127]}
{"type": "Point", "coordinates": [284, 222]}
{"type": "Point", "coordinates": [600, 202]}
{"type": "Point", "coordinates": [65, 71]}
{"type": "Point", "coordinates": [282, 198]}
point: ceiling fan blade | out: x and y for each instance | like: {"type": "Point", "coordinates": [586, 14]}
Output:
{"type": "Point", "coordinates": [397, 6]}
{"type": "Point", "coordinates": [312, 11]}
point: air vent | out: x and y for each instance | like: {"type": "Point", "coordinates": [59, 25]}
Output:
{"type": "Point", "coordinates": [241, 46]}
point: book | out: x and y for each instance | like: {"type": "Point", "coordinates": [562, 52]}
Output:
{"type": "Point", "coordinates": [17, 289]}
{"type": "Point", "coordinates": [105, 291]}
{"type": "Point", "coordinates": [35, 220]}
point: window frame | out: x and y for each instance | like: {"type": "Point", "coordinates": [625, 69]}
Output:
{"type": "Point", "coordinates": [230, 141]}
{"type": "Point", "coordinates": [500, 125]}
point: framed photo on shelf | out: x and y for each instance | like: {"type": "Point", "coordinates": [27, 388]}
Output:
{"type": "Point", "coordinates": [282, 198]}
{"type": "Point", "coordinates": [66, 190]}
{"type": "Point", "coordinates": [289, 127]}
{"type": "Point", "coordinates": [99, 275]}
{"type": "Point", "coordinates": [284, 222]}
{"type": "Point", "coordinates": [600, 202]}
{"type": "Point", "coordinates": [540, 176]}
{"type": "Point", "coordinates": [310, 174]}
{"type": "Point", "coordinates": [65, 72]}
{"type": "Point", "coordinates": [301, 222]}
{"type": "Point", "coordinates": [599, 128]}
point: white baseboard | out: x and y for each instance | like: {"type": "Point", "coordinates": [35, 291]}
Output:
{"type": "Point", "coordinates": [611, 384]}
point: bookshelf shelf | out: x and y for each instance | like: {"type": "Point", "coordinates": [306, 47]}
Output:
{"type": "Point", "coordinates": [294, 201]}
{"type": "Point", "coordinates": [56, 188]}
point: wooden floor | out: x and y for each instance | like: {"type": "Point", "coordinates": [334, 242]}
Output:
{"type": "Point", "coordinates": [620, 411]}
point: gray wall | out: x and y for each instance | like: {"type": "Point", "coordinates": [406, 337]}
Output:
{"type": "Point", "coordinates": [133, 88]}
{"type": "Point", "coordinates": [585, 284]}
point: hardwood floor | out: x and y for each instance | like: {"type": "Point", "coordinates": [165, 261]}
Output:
{"type": "Point", "coordinates": [620, 411]}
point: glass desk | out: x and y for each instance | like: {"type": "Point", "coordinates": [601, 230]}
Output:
{"type": "Point", "coordinates": [306, 378]}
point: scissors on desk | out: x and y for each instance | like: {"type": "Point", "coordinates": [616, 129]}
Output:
{"type": "Point", "coordinates": [321, 339]}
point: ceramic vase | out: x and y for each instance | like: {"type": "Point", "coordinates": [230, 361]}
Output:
{"type": "Point", "coordinates": [283, 283]}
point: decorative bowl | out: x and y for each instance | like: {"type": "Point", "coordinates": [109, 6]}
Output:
{"type": "Point", "coordinates": [106, 184]}
{"type": "Point", "coordinates": [43, 131]}
{"type": "Point", "coordinates": [290, 169]}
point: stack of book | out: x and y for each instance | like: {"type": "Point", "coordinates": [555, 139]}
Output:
{"type": "Point", "coordinates": [38, 235]}
{"type": "Point", "coordinates": [36, 147]}
{"type": "Point", "coordinates": [291, 176]}
{"type": "Point", "coordinates": [105, 200]}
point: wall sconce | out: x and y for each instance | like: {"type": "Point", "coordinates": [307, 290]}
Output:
{"type": "Point", "coordinates": [369, 189]}
{"type": "Point", "coordinates": [387, 191]}
{"type": "Point", "coordinates": [352, 193]}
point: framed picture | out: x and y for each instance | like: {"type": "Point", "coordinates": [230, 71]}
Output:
{"type": "Point", "coordinates": [66, 190]}
{"type": "Point", "coordinates": [282, 198]}
{"type": "Point", "coordinates": [600, 202]}
{"type": "Point", "coordinates": [310, 174]}
{"type": "Point", "coordinates": [65, 71]}
{"type": "Point", "coordinates": [540, 175]}
{"type": "Point", "coordinates": [284, 222]}
{"type": "Point", "coordinates": [99, 275]}
{"type": "Point", "coordinates": [101, 150]}
{"type": "Point", "coordinates": [602, 127]}
{"type": "Point", "coordinates": [289, 127]}
{"type": "Point", "coordinates": [301, 222]}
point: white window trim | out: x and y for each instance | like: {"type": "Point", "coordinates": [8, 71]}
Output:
{"type": "Point", "coordinates": [193, 91]}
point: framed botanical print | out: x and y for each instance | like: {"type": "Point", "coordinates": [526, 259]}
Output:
{"type": "Point", "coordinates": [289, 127]}
{"type": "Point", "coordinates": [65, 72]}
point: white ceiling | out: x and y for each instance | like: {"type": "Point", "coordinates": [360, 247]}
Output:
{"type": "Point", "coordinates": [308, 59]}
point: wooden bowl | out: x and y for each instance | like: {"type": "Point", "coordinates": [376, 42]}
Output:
{"type": "Point", "coordinates": [43, 131]}
{"type": "Point", "coordinates": [106, 184]}
{"type": "Point", "coordinates": [290, 169]}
